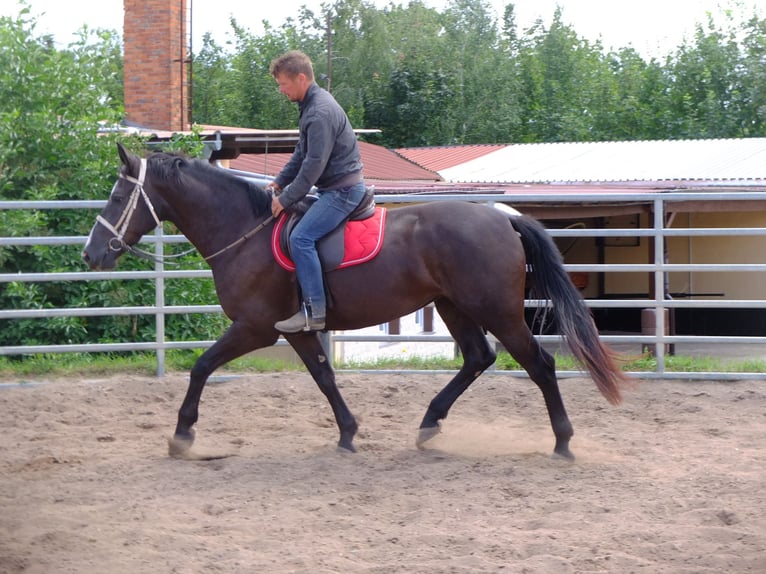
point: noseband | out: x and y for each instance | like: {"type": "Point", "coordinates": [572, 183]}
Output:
{"type": "Point", "coordinates": [119, 229]}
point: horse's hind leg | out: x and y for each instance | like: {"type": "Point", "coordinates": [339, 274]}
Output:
{"type": "Point", "coordinates": [477, 357]}
{"type": "Point", "coordinates": [310, 350]}
{"type": "Point", "coordinates": [541, 367]}
{"type": "Point", "coordinates": [235, 342]}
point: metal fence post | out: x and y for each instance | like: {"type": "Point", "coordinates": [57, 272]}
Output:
{"type": "Point", "coordinates": [159, 300]}
{"type": "Point", "coordinates": [659, 284]}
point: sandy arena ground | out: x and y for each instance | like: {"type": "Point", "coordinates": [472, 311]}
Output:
{"type": "Point", "coordinates": [673, 481]}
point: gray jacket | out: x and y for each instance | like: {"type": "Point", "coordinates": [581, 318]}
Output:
{"type": "Point", "coordinates": [327, 153]}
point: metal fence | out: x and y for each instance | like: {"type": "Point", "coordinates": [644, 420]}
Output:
{"type": "Point", "coordinates": [658, 340]}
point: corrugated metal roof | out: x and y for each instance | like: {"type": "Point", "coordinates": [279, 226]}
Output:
{"type": "Point", "coordinates": [383, 164]}
{"type": "Point", "coordinates": [443, 157]}
{"type": "Point", "coordinates": [380, 164]}
{"type": "Point", "coordinates": [593, 188]}
{"type": "Point", "coordinates": [662, 160]}
{"type": "Point", "coordinates": [263, 163]}
{"type": "Point", "coordinates": [648, 161]}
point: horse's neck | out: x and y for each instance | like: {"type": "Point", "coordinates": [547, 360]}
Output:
{"type": "Point", "coordinates": [211, 221]}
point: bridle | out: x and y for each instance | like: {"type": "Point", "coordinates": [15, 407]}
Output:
{"type": "Point", "coordinates": [117, 243]}
{"type": "Point", "coordinates": [120, 227]}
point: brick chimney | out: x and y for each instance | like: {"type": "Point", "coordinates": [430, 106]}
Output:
{"type": "Point", "coordinates": [156, 68]}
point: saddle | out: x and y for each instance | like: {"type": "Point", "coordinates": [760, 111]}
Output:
{"type": "Point", "coordinates": [333, 247]}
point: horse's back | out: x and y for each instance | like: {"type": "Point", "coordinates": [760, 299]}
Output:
{"type": "Point", "coordinates": [454, 243]}
{"type": "Point", "coordinates": [459, 227]}
{"type": "Point", "coordinates": [467, 253]}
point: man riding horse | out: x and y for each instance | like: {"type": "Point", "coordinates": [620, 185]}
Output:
{"type": "Point", "coordinates": [326, 156]}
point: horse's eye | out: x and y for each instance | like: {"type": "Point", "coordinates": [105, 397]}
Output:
{"type": "Point", "coordinates": [116, 194]}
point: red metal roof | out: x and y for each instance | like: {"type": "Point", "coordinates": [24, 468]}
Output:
{"type": "Point", "coordinates": [261, 163]}
{"type": "Point", "coordinates": [443, 157]}
{"type": "Point", "coordinates": [380, 164]}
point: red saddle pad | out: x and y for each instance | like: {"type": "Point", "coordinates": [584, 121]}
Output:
{"type": "Point", "coordinates": [362, 240]}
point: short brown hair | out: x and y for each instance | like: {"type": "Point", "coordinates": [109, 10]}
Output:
{"type": "Point", "coordinates": [291, 64]}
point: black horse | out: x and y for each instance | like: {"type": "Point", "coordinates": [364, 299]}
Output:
{"type": "Point", "coordinates": [470, 260]}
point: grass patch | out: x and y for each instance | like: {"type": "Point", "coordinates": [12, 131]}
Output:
{"type": "Point", "coordinates": [748, 366]}
{"type": "Point", "coordinates": [145, 363]}
{"type": "Point", "coordinates": [565, 362]}
{"type": "Point", "coordinates": [53, 364]}
{"type": "Point", "coordinates": [137, 363]}
{"type": "Point", "coordinates": [404, 363]}
{"type": "Point", "coordinates": [184, 361]}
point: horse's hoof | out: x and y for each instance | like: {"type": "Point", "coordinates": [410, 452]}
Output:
{"type": "Point", "coordinates": [178, 447]}
{"type": "Point", "coordinates": [345, 448]}
{"type": "Point", "coordinates": [425, 434]}
{"type": "Point", "coordinates": [563, 455]}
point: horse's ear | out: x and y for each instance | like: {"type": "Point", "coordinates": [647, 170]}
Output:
{"type": "Point", "coordinates": [124, 154]}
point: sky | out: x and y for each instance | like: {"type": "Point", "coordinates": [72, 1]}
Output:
{"type": "Point", "coordinates": [653, 27]}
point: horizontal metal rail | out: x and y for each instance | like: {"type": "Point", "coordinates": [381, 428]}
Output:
{"type": "Point", "coordinates": [104, 275]}
{"type": "Point", "coordinates": [660, 203]}
{"type": "Point", "coordinates": [190, 309]}
{"type": "Point", "coordinates": [106, 311]}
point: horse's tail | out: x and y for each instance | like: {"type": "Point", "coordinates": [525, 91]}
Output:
{"type": "Point", "coordinates": [549, 281]}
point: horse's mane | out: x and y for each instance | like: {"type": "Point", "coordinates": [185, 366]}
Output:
{"type": "Point", "coordinates": [178, 167]}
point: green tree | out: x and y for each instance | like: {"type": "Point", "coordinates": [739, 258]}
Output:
{"type": "Point", "coordinates": [752, 79]}
{"type": "Point", "coordinates": [210, 77]}
{"type": "Point", "coordinates": [427, 77]}
{"type": "Point", "coordinates": [236, 88]}
{"type": "Point", "coordinates": [563, 83]}
{"type": "Point", "coordinates": [704, 96]}
{"type": "Point", "coordinates": [410, 97]}
{"type": "Point", "coordinates": [485, 106]}
{"type": "Point", "coordinates": [355, 36]}
{"type": "Point", "coordinates": [637, 110]}
{"type": "Point", "coordinates": [52, 104]}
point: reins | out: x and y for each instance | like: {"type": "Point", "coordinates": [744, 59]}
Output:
{"type": "Point", "coordinates": [242, 239]}
{"type": "Point", "coordinates": [117, 242]}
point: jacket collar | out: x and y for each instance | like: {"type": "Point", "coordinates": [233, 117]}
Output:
{"type": "Point", "coordinates": [310, 92]}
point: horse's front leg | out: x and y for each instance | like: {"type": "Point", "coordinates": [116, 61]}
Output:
{"type": "Point", "coordinates": [238, 340]}
{"type": "Point", "coordinates": [311, 352]}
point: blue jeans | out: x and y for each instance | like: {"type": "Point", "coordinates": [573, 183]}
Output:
{"type": "Point", "coordinates": [327, 212]}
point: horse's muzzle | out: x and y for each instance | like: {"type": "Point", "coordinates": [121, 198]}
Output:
{"type": "Point", "coordinates": [105, 263]}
